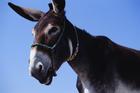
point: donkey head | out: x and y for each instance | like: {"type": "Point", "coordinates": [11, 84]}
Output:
{"type": "Point", "coordinates": [48, 50]}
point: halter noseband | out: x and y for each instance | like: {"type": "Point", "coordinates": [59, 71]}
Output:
{"type": "Point", "coordinates": [73, 55]}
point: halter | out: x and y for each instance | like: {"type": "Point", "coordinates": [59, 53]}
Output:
{"type": "Point", "coordinates": [73, 55]}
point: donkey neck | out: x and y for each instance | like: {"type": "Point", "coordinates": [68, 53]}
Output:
{"type": "Point", "coordinates": [81, 62]}
{"type": "Point", "coordinates": [89, 65]}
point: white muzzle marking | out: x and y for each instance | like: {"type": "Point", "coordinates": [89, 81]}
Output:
{"type": "Point", "coordinates": [38, 58]}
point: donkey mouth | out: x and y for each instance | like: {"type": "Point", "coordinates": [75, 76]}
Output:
{"type": "Point", "coordinates": [49, 77]}
{"type": "Point", "coordinates": [48, 80]}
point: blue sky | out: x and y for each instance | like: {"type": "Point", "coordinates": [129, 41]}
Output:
{"type": "Point", "coordinates": [117, 19]}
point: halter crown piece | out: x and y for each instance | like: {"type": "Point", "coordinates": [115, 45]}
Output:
{"type": "Point", "coordinates": [73, 55]}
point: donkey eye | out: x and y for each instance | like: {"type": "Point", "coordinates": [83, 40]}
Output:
{"type": "Point", "coordinates": [53, 31]}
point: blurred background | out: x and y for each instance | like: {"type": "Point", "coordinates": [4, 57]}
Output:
{"type": "Point", "coordinates": [117, 19]}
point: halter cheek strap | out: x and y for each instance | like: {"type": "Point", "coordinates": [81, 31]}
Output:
{"type": "Point", "coordinates": [73, 55]}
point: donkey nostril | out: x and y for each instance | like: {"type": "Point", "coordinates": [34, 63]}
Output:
{"type": "Point", "coordinates": [39, 67]}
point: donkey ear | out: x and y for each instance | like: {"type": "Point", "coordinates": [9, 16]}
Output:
{"type": "Point", "coordinates": [58, 5]}
{"type": "Point", "coordinates": [30, 14]}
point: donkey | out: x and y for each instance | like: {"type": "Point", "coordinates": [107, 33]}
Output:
{"type": "Point", "coordinates": [101, 65]}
